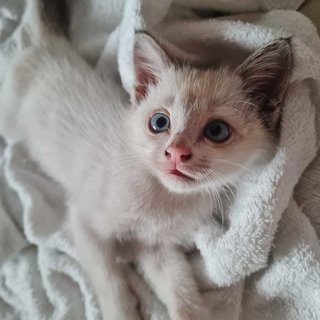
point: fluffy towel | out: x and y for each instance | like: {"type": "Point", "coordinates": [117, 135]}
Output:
{"type": "Point", "coordinates": [267, 264]}
{"type": "Point", "coordinates": [241, 6]}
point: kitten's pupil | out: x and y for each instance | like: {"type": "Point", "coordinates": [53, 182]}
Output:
{"type": "Point", "coordinates": [159, 122]}
{"type": "Point", "coordinates": [217, 131]}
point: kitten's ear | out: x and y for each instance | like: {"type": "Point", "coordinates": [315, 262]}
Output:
{"type": "Point", "coordinates": [266, 74]}
{"type": "Point", "coordinates": [149, 59]}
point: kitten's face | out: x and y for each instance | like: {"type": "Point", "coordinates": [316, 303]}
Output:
{"type": "Point", "coordinates": [198, 129]}
{"type": "Point", "coordinates": [192, 137]}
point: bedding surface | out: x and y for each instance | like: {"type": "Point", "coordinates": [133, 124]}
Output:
{"type": "Point", "coordinates": [267, 263]}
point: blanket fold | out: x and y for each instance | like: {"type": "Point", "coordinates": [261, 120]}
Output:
{"type": "Point", "coordinates": [267, 264]}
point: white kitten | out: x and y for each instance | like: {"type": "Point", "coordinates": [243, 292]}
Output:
{"type": "Point", "coordinates": [140, 180]}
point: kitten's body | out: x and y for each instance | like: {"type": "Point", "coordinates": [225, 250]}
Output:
{"type": "Point", "coordinates": [122, 199]}
{"type": "Point", "coordinates": [82, 145]}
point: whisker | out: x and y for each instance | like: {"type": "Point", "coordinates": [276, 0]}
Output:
{"type": "Point", "coordinates": [235, 164]}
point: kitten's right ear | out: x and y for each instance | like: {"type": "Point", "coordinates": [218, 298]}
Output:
{"type": "Point", "coordinates": [149, 59]}
{"type": "Point", "coordinates": [266, 74]}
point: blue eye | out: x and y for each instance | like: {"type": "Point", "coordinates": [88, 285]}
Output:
{"type": "Point", "coordinates": [159, 122]}
{"type": "Point", "coordinates": [217, 131]}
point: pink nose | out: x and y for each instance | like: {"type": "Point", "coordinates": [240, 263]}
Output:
{"type": "Point", "coordinates": [178, 153]}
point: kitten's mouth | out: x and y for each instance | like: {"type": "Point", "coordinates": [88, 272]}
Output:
{"type": "Point", "coordinates": [180, 174]}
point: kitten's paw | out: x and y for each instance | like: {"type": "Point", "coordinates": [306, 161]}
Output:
{"type": "Point", "coordinates": [191, 312]}
{"type": "Point", "coordinates": [122, 315]}
{"type": "Point", "coordinates": [127, 309]}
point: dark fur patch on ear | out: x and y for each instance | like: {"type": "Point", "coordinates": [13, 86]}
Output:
{"type": "Point", "coordinates": [144, 79]}
{"type": "Point", "coordinates": [55, 14]}
{"type": "Point", "coordinates": [266, 75]}
{"type": "Point", "coordinates": [149, 60]}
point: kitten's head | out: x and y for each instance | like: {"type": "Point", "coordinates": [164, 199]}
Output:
{"type": "Point", "coordinates": [198, 129]}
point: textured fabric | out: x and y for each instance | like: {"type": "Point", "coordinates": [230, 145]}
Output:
{"type": "Point", "coordinates": [311, 9]}
{"type": "Point", "coordinates": [243, 5]}
{"type": "Point", "coordinates": [270, 255]}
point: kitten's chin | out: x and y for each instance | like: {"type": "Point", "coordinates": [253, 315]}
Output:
{"type": "Point", "coordinates": [177, 183]}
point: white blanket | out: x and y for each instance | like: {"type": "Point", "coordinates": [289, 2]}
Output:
{"type": "Point", "coordinates": [267, 264]}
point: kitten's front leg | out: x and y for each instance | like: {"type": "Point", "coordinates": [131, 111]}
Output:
{"type": "Point", "coordinates": [170, 275]}
{"type": "Point", "coordinates": [106, 275]}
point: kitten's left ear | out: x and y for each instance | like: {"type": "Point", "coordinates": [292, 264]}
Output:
{"type": "Point", "coordinates": [266, 74]}
{"type": "Point", "coordinates": [149, 59]}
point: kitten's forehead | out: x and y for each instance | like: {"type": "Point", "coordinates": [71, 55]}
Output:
{"type": "Point", "coordinates": [210, 88]}
{"type": "Point", "coordinates": [204, 95]}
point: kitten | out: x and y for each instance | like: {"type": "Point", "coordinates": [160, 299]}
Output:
{"type": "Point", "coordinates": [140, 179]}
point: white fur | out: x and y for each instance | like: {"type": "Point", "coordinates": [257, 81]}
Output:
{"type": "Point", "coordinates": [67, 117]}
{"type": "Point", "coordinates": [77, 127]}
